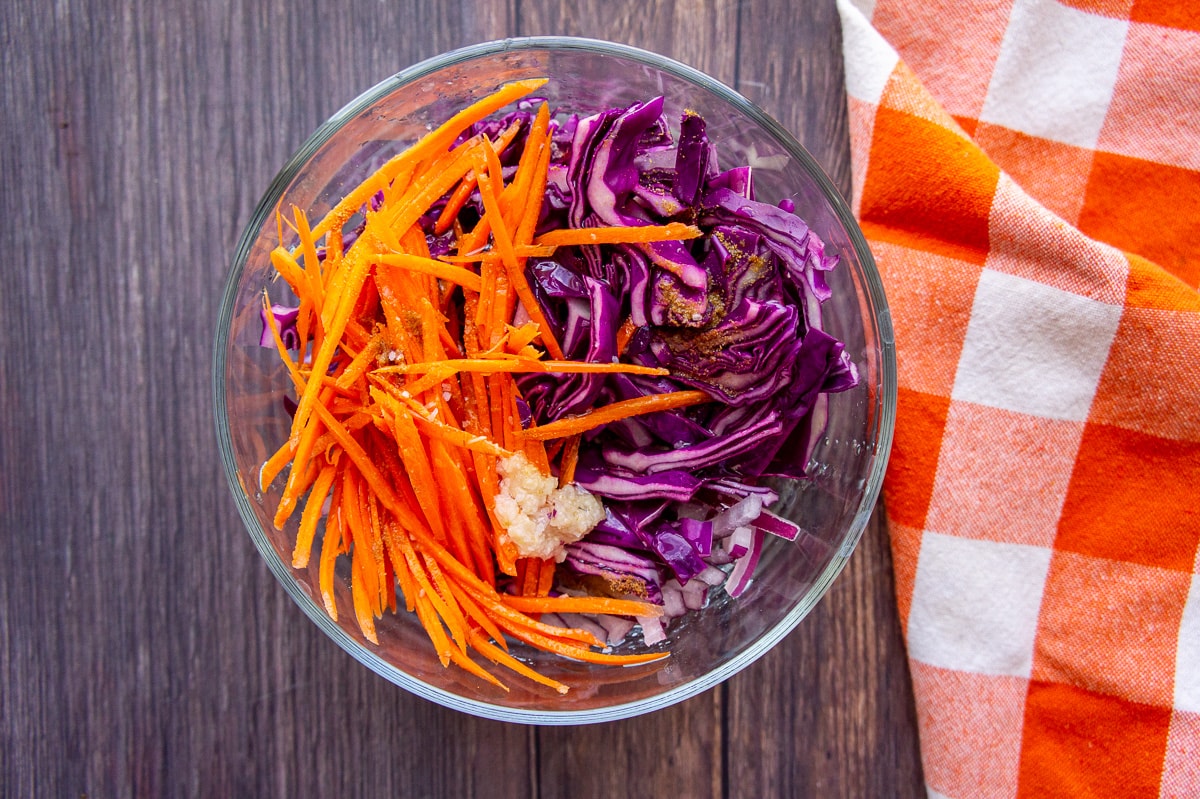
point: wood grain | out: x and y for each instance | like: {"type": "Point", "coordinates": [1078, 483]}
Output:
{"type": "Point", "coordinates": [144, 647]}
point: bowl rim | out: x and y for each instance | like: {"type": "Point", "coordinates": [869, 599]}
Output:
{"type": "Point", "coordinates": [882, 405]}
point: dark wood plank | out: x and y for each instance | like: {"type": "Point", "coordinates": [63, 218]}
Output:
{"type": "Point", "coordinates": [700, 33]}
{"type": "Point", "coordinates": [146, 650]}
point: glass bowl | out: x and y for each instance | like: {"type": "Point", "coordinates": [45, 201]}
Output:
{"type": "Point", "coordinates": [846, 466]}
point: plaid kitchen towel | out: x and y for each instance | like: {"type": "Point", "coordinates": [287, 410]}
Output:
{"type": "Point", "coordinates": [1028, 175]}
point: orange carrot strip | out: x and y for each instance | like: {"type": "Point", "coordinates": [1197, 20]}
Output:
{"type": "Point", "coordinates": [438, 139]}
{"type": "Point", "coordinates": [360, 363]}
{"type": "Point", "coordinates": [497, 655]}
{"type": "Point", "coordinates": [414, 243]}
{"type": "Point", "coordinates": [273, 325]}
{"type": "Point", "coordinates": [535, 199]}
{"type": "Point", "coordinates": [516, 273]}
{"type": "Point", "coordinates": [289, 269]}
{"type": "Point", "coordinates": [535, 452]}
{"type": "Point", "coordinates": [420, 473]}
{"type": "Point", "coordinates": [521, 626]}
{"type": "Point", "coordinates": [521, 251]}
{"type": "Point", "coordinates": [366, 467]}
{"type": "Point", "coordinates": [295, 485]}
{"type": "Point", "coordinates": [625, 333]}
{"type": "Point", "coordinates": [274, 465]}
{"type": "Point", "coordinates": [404, 575]}
{"type": "Point", "coordinates": [362, 604]}
{"type": "Point", "coordinates": [512, 199]}
{"type": "Point", "coordinates": [582, 604]}
{"type": "Point", "coordinates": [431, 321]}
{"type": "Point", "coordinates": [312, 267]}
{"type": "Point", "coordinates": [547, 577]}
{"type": "Point", "coordinates": [405, 214]}
{"type": "Point", "coordinates": [529, 574]}
{"type": "Point", "coordinates": [503, 303]}
{"type": "Point", "coordinates": [461, 502]}
{"type": "Point", "coordinates": [443, 601]}
{"type": "Point", "coordinates": [311, 515]}
{"type": "Point", "coordinates": [504, 616]}
{"type": "Point", "coordinates": [672, 231]}
{"type": "Point", "coordinates": [429, 266]}
{"type": "Point", "coordinates": [432, 427]}
{"type": "Point", "coordinates": [459, 197]}
{"type": "Point", "coordinates": [359, 267]}
{"type": "Point", "coordinates": [452, 615]}
{"type": "Point", "coordinates": [483, 305]}
{"type": "Point", "coordinates": [369, 514]}
{"type": "Point", "coordinates": [364, 549]}
{"type": "Point", "coordinates": [330, 546]}
{"type": "Point", "coordinates": [501, 428]}
{"type": "Point", "coordinates": [456, 532]}
{"type": "Point", "coordinates": [433, 628]}
{"type": "Point", "coordinates": [464, 661]}
{"type": "Point", "coordinates": [478, 615]}
{"type": "Point", "coordinates": [454, 205]}
{"type": "Point", "coordinates": [559, 647]}
{"type": "Point", "coordinates": [618, 410]}
{"type": "Point", "coordinates": [570, 459]}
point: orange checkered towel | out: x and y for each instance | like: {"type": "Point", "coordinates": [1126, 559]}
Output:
{"type": "Point", "coordinates": [1028, 175]}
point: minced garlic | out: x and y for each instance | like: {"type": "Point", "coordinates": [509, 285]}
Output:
{"type": "Point", "coordinates": [539, 516]}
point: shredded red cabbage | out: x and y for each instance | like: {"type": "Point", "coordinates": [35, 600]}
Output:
{"type": "Point", "coordinates": [736, 313]}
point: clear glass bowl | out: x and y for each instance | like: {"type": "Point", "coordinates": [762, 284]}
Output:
{"type": "Point", "coordinates": [847, 465]}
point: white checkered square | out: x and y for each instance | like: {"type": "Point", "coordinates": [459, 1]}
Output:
{"type": "Point", "coordinates": [874, 59]}
{"type": "Point", "coordinates": [975, 604]}
{"type": "Point", "coordinates": [1033, 348]}
{"type": "Point", "coordinates": [1187, 660]}
{"type": "Point", "coordinates": [1056, 72]}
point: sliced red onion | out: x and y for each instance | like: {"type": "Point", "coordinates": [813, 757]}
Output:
{"type": "Point", "coordinates": [673, 604]}
{"type": "Point", "coordinates": [743, 568]}
{"type": "Point", "coordinates": [776, 525]}
{"type": "Point", "coordinates": [653, 631]}
{"type": "Point", "coordinates": [740, 542]}
{"type": "Point", "coordinates": [740, 514]}
{"type": "Point", "coordinates": [710, 576]}
{"type": "Point", "coordinates": [739, 489]}
{"type": "Point", "coordinates": [589, 623]}
{"type": "Point", "coordinates": [695, 594]}
{"type": "Point", "coordinates": [719, 557]}
{"type": "Point", "coordinates": [616, 627]}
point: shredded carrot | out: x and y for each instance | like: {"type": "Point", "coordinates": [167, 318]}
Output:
{"type": "Point", "coordinates": [625, 334]}
{"type": "Point", "coordinates": [546, 578]}
{"type": "Point", "coordinates": [441, 137]}
{"type": "Point", "coordinates": [570, 459]}
{"type": "Point", "coordinates": [582, 604]}
{"type": "Point", "coordinates": [428, 266]}
{"type": "Point", "coordinates": [311, 515]}
{"type": "Point", "coordinates": [672, 231]}
{"type": "Point", "coordinates": [407, 397]}
{"type": "Point", "coordinates": [574, 425]}
{"type": "Point", "coordinates": [520, 250]}
{"type": "Point", "coordinates": [450, 211]}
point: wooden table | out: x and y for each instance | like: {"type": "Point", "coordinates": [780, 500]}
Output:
{"type": "Point", "coordinates": [146, 650]}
